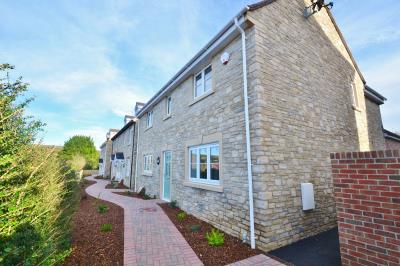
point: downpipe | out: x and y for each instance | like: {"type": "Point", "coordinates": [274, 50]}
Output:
{"type": "Point", "coordinates": [247, 125]}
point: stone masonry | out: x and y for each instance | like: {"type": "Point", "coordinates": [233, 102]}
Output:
{"type": "Point", "coordinates": [300, 104]}
{"type": "Point", "coordinates": [105, 153]}
{"type": "Point", "coordinates": [124, 142]}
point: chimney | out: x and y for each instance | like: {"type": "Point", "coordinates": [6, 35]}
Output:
{"type": "Point", "coordinates": [138, 107]}
{"type": "Point", "coordinates": [128, 118]}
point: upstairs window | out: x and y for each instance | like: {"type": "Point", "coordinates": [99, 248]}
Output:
{"type": "Point", "coordinates": [148, 163]}
{"type": "Point", "coordinates": [169, 105]}
{"type": "Point", "coordinates": [203, 82]}
{"type": "Point", "coordinates": [204, 163]}
{"type": "Point", "coordinates": [150, 119]}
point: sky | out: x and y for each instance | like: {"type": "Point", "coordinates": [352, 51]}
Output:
{"type": "Point", "coordinates": [88, 62]}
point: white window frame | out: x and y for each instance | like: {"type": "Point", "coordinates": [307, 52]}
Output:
{"type": "Point", "coordinates": [203, 83]}
{"type": "Point", "coordinates": [169, 106]}
{"type": "Point", "coordinates": [150, 117]}
{"type": "Point", "coordinates": [197, 178]}
{"type": "Point", "coordinates": [148, 163]}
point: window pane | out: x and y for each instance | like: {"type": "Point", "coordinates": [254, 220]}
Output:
{"type": "Point", "coordinates": [215, 171]}
{"type": "Point", "coordinates": [203, 171]}
{"type": "Point", "coordinates": [193, 156]}
{"type": "Point", "coordinates": [214, 154]}
{"type": "Point", "coordinates": [193, 170]}
{"type": "Point", "coordinates": [198, 85]}
{"type": "Point", "coordinates": [203, 155]}
{"type": "Point", "coordinates": [208, 79]}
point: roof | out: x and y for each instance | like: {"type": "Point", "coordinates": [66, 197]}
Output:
{"type": "Point", "coordinates": [390, 135]}
{"type": "Point", "coordinates": [123, 129]}
{"type": "Point", "coordinates": [373, 95]}
{"type": "Point", "coordinates": [210, 46]}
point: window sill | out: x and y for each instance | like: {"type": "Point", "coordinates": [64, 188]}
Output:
{"type": "Point", "coordinates": [147, 174]}
{"type": "Point", "coordinates": [356, 108]}
{"type": "Point", "coordinates": [148, 128]}
{"type": "Point", "coordinates": [205, 95]}
{"type": "Point", "coordinates": [167, 117]}
{"type": "Point", "coordinates": [215, 188]}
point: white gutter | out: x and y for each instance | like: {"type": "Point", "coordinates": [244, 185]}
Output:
{"type": "Point", "coordinates": [137, 153]}
{"type": "Point", "coordinates": [248, 147]}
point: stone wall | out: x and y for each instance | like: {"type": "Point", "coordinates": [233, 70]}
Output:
{"type": "Point", "coordinates": [304, 110]}
{"type": "Point", "coordinates": [125, 143]}
{"type": "Point", "coordinates": [105, 154]}
{"type": "Point", "coordinates": [218, 117]}
{"type": "Point", "coordinates": [392, 144]}
{"type": "Point", "coordinates": [300, 106]}
{"type": "Point", "coordinates": [367, 194]}
{"type": "Point", "coordinates": [375, 128]}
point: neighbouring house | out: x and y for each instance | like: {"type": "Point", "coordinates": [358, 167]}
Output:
{"type": "Point", "coordinates": [124, 153]}
{"type": "Point", "coordinates": [392, 140]}
{"type": "Point", "coordinates": [105, 154]}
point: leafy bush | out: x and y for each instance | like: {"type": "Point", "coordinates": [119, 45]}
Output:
{"type": "Point", "coordinates": [215, 238]}
{"type": "Point", "coordinates": [173, 204]}
{"type": "Point", "coordinates": [38, 192]}
{"type": "Point", "coordinates": [106, 227]}
{"type": "Point", "coordinates": [181, 216]}
{"type": "Point", "coordinates": [81, 153]}
{"type": "Point", "coordinates": [102, 208]}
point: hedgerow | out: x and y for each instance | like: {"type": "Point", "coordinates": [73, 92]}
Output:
{"type": "Point", "coordinates": [38, 192]}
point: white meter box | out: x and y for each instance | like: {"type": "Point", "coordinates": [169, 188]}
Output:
{"type": "Point", "coordinates": [307, 196]}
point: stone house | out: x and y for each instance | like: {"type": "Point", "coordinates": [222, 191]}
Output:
{"type": "Point", "coordinates": [392, 140]}
{"type": "Point", "coordinates": [253, 116]}
{"type": "Point", "coordinates": [105, 154]}
{"type": "Point", "coordinates": [123, 152]}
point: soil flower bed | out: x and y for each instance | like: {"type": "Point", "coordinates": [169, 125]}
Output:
{"type": "Point", "coordinates": [133, 195]}
{"type": "Point", "coordinates": [119, 186]}
{"type": "Point", "coordinates": [233, 249]}
{"type": "Point", "coordinates": [91, 246]}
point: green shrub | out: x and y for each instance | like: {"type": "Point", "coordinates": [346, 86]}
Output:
{"type": "Point", "coordinates": [181, 216]}
{"type": "Point", "coordinates": [38, 191]}
{"type": "Point", "coordinates": [106, 227]}
{"type": "Point", "coordinates": [195, 228]}
{"type": "Point", "coordinates": [102, 208]}
{"type": "Point", "coordinates": [173, 204]}
{"type": "Point", "coordinates": [215, 238]}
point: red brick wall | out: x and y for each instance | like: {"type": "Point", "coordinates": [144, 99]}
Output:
{"type": "Point", "coordinates": [367, 195]}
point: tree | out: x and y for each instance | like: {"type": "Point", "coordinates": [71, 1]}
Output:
{"type": "Point", "coordinates": [37, 191]}
{"type": "Point", "coordinates": [77, 147]}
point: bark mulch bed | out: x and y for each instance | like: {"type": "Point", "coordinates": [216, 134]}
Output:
{"type": "Point", "coordinates": [90, 246]}
{"type": "Point", "coordinates": [232, 251]}
{"type": "Point", "coordinates": [133, 195]}
{"type": "Point", "coordinates": [119, 186]}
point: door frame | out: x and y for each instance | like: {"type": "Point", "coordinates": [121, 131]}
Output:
{"type": "Point", "coordinates": [162, 177]}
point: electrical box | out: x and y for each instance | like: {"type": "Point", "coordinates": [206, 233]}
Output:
{"type": "Point", "coordinates": [307, 196]}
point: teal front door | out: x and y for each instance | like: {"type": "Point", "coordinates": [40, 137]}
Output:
{"type": "Point", "coordinates": [167, 176]}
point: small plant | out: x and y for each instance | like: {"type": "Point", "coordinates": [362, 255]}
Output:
{"type": "Point", "coordinates": [215, 238]}
{"type": "Point", "coordinates": [173, 204]}
{"type": "Point", "coordinates": [106, 227]}
{"type": "Point", "coordinates": [182, 216]}
{"type": "Point", "coordinates": [102, 208]}
{"type": "Point", "coordinates": [195, 228]}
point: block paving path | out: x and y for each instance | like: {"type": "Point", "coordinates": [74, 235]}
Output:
{"type": "Point", "coordinates": [150, 238]}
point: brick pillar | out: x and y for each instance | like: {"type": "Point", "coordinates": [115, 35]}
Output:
{"type": "Point", "coordinates": [367, 195]}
